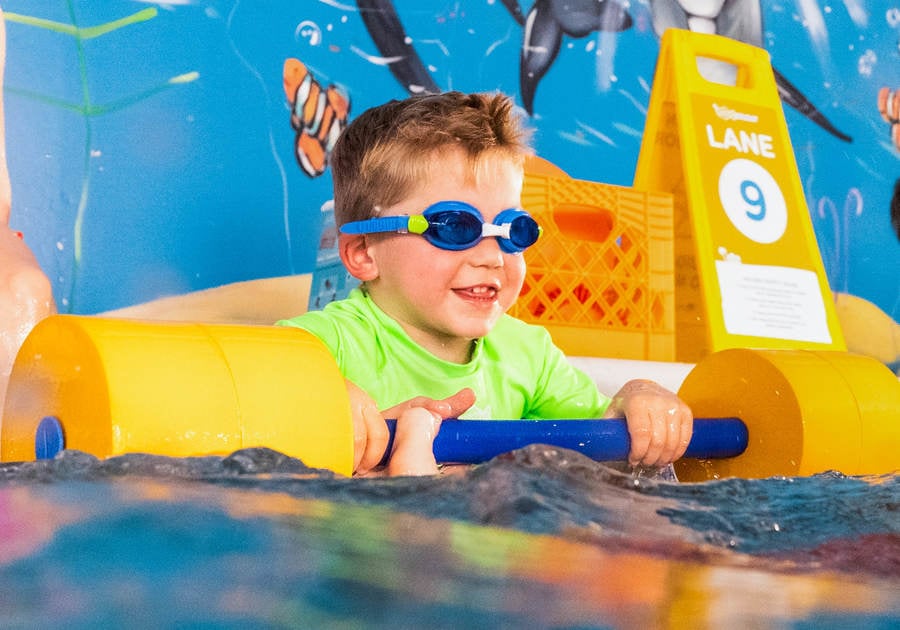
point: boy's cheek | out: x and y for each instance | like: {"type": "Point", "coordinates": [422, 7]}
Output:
{"type": "Point", "coordinates": [516, 279]}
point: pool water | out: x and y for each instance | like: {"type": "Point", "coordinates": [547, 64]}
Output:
{"type": "Point", "coordinates": [541, 538]}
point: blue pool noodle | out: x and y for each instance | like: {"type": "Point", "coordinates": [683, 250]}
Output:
{"type": "Point", "coordinates": [476, 441]}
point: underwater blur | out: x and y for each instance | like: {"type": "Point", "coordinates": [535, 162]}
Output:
{"type": "Point", "coordinates": [541, 537]}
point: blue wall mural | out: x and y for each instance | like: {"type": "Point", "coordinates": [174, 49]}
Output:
{"type": "Point", "coordinates": [161, 148]}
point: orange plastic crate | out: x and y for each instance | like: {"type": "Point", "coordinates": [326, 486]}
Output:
{"type": "Point", "coordinates": [601, 277]}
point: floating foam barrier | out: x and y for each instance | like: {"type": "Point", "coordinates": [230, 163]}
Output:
{"type": "Point", "coordinates": [807, 411]}
{"type": "Point", "coordinates": [119, 386]}
{"type": "Point", "coordinates": [110, 387]}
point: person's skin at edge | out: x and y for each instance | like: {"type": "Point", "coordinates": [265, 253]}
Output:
{"type": "Point", "coordinates": [445, 300]}
{"type": "Point", "coordinates": [26, 295]}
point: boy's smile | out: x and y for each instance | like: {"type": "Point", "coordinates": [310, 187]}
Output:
{"type": "Point", "coordinates": [446, 299]}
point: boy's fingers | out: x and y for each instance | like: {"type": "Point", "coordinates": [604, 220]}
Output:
{"type": "Point", "coordinates": [370, 433]}
{"type": "Point", "coordinates": [671, 423]}
{"type": "Point", "coordinates": [656, 448]}
{"type": "Point", "coordinates": [376, 440]}
{"type": "Point", "coordinates": [449, 407]}
{"type": "Point", "coordinates": [460, 402]}
{"type": "Point", "coordinates": [412, 452]}
{"type": "Point", "coordinates": [686, 431]}
{"type": "Point", "coordinates": [641, 433]}
{"type": "Point", "coordinates": [659, 433]}
{"type": "Point", "coordinates": [396, 410]}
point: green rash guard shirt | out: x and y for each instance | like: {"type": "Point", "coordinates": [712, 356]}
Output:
{"type": "Point", "coordinates": [516, 371]}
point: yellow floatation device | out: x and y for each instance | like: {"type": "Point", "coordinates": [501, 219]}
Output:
{"type": "Point", "coordinates": [120, 386]}
{"type": "Point", "coordinates": [807, 411]}
{"type": "Point", "coordinates": [110, 387]}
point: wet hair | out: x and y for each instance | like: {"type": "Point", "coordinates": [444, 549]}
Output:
{"type": "Point", "coordinates": [895, 208]}
{"type": "Point", "coordinates": [387, 151]}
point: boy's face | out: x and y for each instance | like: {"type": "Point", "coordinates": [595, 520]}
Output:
{"type": "Point", "coordinates": [445, 299]}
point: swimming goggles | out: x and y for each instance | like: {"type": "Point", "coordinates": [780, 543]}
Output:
{"type": "Point", "coordinates": [456, 225]}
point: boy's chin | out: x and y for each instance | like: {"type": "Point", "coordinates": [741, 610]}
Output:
{"type": "Point", "coordinates": [475, 330]}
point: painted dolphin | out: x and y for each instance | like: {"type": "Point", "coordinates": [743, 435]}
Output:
{"type": "Point", "coordinates": [547, 22]}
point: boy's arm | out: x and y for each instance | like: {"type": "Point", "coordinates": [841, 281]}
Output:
{"type": "Point", "coordinates": [660, 424]}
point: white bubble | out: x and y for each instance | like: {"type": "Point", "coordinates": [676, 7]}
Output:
{"type": "Point", "coordinates": [309, 30]}
{"type": "Point", "coordinates": [893, 17]}
{"type": "Point", "coordinates": [867, 63]}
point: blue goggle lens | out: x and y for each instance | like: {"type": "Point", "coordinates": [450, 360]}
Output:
{"type": "Point", "coordinates": [524, 231]}
{"type": "Point", "coordinates": [453, 227]}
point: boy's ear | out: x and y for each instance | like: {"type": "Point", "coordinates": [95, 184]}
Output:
{"type": "Point", "coordinates": [354, 251]}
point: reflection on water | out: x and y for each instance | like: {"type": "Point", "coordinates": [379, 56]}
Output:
{"type": "Point", "coordinates": [538, 538]}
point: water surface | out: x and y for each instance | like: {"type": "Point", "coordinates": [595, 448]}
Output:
{"type": "Point", "coordinates": [541, 537]}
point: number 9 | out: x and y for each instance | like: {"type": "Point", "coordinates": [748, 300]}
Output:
{"type": "Point", "coordinates": [753, 197]}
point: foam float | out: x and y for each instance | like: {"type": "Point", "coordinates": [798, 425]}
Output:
{"type": "Point", "coordinates": [111, 386]}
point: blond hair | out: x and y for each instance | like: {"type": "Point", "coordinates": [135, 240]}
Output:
{"type": "Point", "coordinates": [386, 152]}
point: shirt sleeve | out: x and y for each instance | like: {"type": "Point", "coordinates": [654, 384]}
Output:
{"type": "Point", "coordinates": [321, 326]}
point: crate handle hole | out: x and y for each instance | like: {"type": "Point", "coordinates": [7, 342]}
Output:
{"type": "Point", "coordinates": [584, 222]}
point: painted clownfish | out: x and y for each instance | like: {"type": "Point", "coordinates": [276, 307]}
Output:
{"type": "Point", "coordinates": [318, 116]}
{"type": "Point", "coordinates": [889, 107]}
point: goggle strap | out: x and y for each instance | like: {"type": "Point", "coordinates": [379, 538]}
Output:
{"type": "Point", "coordinates": [380, 224]}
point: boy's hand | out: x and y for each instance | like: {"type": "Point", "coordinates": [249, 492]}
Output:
{"type": "Point", "coordinates": [370, 433]}
{"type": "Point", "coordinates": [659, 422]}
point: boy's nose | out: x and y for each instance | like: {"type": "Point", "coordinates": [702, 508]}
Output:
{"type": "Point", "coordinates": [487, 253]}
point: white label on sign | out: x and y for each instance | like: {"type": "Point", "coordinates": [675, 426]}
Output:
{"type": "Point", "coordinates": [774, 302]}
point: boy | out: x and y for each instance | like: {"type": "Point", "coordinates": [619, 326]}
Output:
{"type": "Point", "coordinates": [426, 194]}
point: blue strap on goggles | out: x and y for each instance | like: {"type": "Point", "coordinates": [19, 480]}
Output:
{"type": "Point", "coordinates": [456, 225]}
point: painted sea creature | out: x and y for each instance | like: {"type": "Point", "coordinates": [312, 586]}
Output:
{"type": "Point", "coordinates": [546, 23]}
{"type": "Point", "coordinates": [386, 30]}
{"type": "Point", "coordinates": [317, 115]}
{"type": "Point", "coordinates": [740, 20]}
{"type": "Point", "coordinates": [889, 108]}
